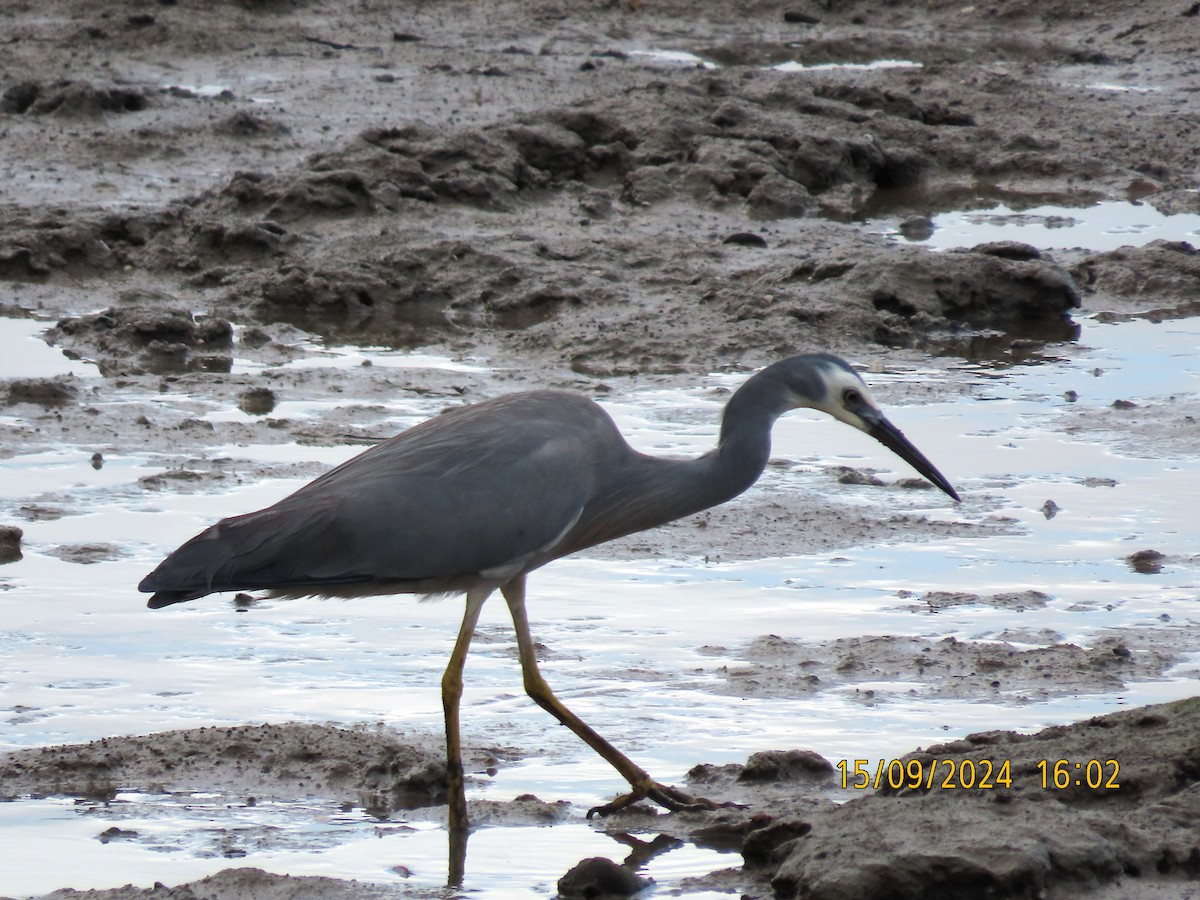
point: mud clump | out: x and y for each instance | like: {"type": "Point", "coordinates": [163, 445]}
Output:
{"type": "Point", "coordinates": [373, 768]}
{"type": "Point", "coordinates": [70, 99]}
{"type": "Point", "coordinates": [48, 392]}
{"type": "Point", "coordinates": [936, 601]}
{"type": "Point", "coordinates": [243, 124]}
{"type": "Point", "coordinates": [257, 401]}
{"type": "Point", "coordinates": [1001, 286]}
{"type": "Point", "coordinates": [1147, 562]}
{"type": "Point", "coordinates": [792, 765]}
{"type": "Point", "coordinates": [600, 877]}
{"type": "Point", "coordinates": [86, 554]}
{"type": "Point", "coordinates": [146, 337]}
{"type": "Point", "coordinates": [1159, 281]}
{"type": "Point", "coordinates": [950, 667]}
{"type": "Point", "coordinates": [289, 198]}
{"type": "Point", "coordinates": [50, 245]}
{"type": "Point", "coordinates": [10, 543]}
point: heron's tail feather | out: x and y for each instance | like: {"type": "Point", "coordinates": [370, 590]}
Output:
{"type": "Point", "coordinates": [166, 598]}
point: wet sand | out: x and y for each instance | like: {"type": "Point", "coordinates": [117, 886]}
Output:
{"type": "Point", "coordinates": [528, 185]}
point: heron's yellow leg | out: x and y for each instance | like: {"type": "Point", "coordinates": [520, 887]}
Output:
{"type": "Point", "coordinates": [644, 787]}
{"type": "Point", "coordinates": [452, 689]}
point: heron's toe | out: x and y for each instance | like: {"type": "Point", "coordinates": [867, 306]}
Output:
{"type": "Point", "coordinates": [666, 796]}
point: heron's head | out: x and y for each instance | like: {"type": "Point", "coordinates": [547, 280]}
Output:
{"type": "Point", "coordinates": [828, 383]}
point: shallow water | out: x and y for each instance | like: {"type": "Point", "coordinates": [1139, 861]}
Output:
{"type": "Point", "coordinates": [845, 66]}
{"type": "Point", "coordinates": [1100, 227]}
{"type": "Point", "coordinates": [636, 646]}
{"type": "Point", "coordinates": [282, 837]}
{"type": "Point", "coordinates": [24, 354]}
{"type": "Point", "coordinates": [685, 57]}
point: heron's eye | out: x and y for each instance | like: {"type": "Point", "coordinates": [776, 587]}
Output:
{"type": "Point", "coordinates": [851, 397]}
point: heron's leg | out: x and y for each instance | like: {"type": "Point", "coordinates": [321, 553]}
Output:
{"type": "Point", "coordinates": [644, 787]}
{"type": "Point", "coordinates": [452, 689]}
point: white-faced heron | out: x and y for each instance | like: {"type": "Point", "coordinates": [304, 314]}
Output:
{"type": "Point", "coordinates": [478, 497]}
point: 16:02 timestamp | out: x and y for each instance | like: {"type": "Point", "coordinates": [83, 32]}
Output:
{"type": "Point", "coordinates": [1096, 774]}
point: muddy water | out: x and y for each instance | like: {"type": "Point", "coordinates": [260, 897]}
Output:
{"type": "Point", "coordinates": [641, 650]}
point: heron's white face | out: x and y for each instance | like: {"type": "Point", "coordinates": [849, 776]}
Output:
{"type": "Point", "coordinates": [848, 399]}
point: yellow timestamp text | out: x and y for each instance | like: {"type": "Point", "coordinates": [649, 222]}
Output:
{"type": "Point", "coordinates": [925, 773]}
{"type": "Point", "coordinates": [969, 774]}
{"type": "Point", "coordinates": [1097, 774]}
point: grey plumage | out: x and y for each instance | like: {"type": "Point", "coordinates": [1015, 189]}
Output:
{"type": "Point", "coordinates": [474, 499]}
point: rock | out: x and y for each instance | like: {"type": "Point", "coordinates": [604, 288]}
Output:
{"type": "Point", "coordinates": [1160, 280]}
{"type": "Point", "coordinates": [1009, 250]}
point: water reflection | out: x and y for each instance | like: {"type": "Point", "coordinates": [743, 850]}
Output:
{"type": "Point", "coordinates": [1098, 227]}
{"type": "Point", "coordinates": [24, 352]}
{"type": "Point", "coordinates": [185, 837]}
{"type": "Point", "coordinates": [1024, 343]}
{"type": "Point", "coordinates": [921, 199]}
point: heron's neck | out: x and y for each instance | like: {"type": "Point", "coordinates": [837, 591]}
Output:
{"type": "Point", "coordinates": [745, 443]}
{"type": "Point", "coordinates": [652, 491]}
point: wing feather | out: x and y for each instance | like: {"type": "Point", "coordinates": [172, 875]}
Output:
{"type": "Point", "coordinates": [483, 488]}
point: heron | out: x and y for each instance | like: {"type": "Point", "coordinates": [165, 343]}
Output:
{"type": "Point", "coordinates": [475, 499]}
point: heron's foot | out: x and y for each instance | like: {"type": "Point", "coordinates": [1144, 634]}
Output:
{"type": "Point", "coordinates": [664, 795]}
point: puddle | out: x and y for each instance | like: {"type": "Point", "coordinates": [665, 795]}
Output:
{"type": "Point", "coordinates": [207, 91]}
{"type": "Point", "coordinates": [1103, 226]}
{"type": "Point", "coordinates": [831, 67]}
{"type": "Point", "coordinates": [684, 57]}
{"type": "Point", "coordinates": [224, 91]}
{"type": "Point", "coordinates": [23, 353]}
{"type": "Point", "coordinates": [1122, 88]}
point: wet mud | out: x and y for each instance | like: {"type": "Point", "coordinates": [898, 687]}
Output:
{"type": "Point", "coordinates": [199, 198]}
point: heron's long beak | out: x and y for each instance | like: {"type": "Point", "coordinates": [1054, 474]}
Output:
{"type": "Point", "coordinates": [893, 438]}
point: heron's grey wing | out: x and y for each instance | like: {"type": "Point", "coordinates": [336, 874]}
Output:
{"type": "Point", "coordinates": [459, 496]}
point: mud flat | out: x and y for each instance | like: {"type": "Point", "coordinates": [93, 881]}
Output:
{"type": "Point", "coordinates": [203, 202]}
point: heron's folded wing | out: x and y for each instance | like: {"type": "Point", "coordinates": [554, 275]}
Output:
{"type": "Point", "coordinates": [391, 515]}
